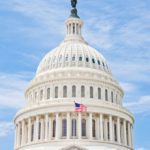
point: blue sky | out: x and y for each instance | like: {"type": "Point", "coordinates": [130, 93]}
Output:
{"type": "Point", "coordinates": [119, 29]}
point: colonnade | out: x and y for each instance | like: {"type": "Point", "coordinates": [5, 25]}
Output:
{"type": "Point", "coordinates": [59, 126]}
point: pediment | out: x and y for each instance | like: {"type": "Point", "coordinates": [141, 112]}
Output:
{"type": "Point", "coordinates": [73, 147]}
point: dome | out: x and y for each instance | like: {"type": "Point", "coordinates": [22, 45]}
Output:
{"type": "Point", "coordinates": [73, 54]}
{"type": "Point", "coordinates": [74, 102]}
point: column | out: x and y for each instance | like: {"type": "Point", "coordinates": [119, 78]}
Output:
{"type": "Point", "coordinates": [110, 128]}
{"type": "Point", "coordinates": [105, 129]}
{"type": "Point", "coordinates": [42, 129]}
{"type": "Point", "coordinates": [29, 130]}
{"type": "Point", "coordinates": [50, 128]}
{"type": "Point", "coordinates": [46, 127]}
{"type": "Point", "coordinates": [68, 126]}
{"type": "Point", "coordinates": [57, 126]}
{"type": "Point", "coordinates": [23, 131]}
{"type": "Point", "coordinates": [125, 132]}
{"type": "Point", "coordinates": [36, 133]}
{"type": "Point", "coordinates": [19, 137]}
{"type": "Point", "coordinates": [79, 125]}
{"type": "Point", "coordinates": [129, 133]}
{"type": "Point", "coordinates": [25, 134]}
{"type": "Point", "coordinates": [16, 129]}
{"type": "Point", "coordinates": [90, 126]}
{"type": "Point", "coordinates": [97, 128]}
{"type": "Point", "coordinates": [71, 28]}
{"type": "Point", "coordinates": [101, 128]}
{"type": "Point", "coordinates": [118, 130]}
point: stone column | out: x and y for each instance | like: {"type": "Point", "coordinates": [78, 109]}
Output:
{"type": "Point", "coordinates": [79, 125]}
{"type": "Point", "coordinates": [23, 131]}
{"type": "Point", "coordinates": [15, 146]}
{"type": "Point", "coordinates": [118, 130]}
{"type": "Point", "coordinates": [50, 128]}
{"type": "Point", "coordinates": [97, 128]}
{"type": "Point", "coordinates": [101, 128]}
{"type": "Point", "coordinates": [125, 132]}
{"type": "Point", "coordinates": [105, 130]}
{"type": "Point", "coordinates": [129, 133]}
{"type": "Point", "coordinates": [131, 136]}
{"type": "Point", "coordinates": [90, 126]}
{"type": "Point", "coordinates": [18, 134]}
{"type": "Point", "coordinates": [68, 126]}
{"type": "Point", "coordinates": [46, 127]}
{"type": "Point", "coordinates": [57, 127]}
{"type": "Point", "coordinates": [29, 130]}
{"type": "Point", "coordinates": [42, 129]}
{"type": "Point", "coordinates": [110, 128]}
{"type": "Point", "coordinates": [36, 133]}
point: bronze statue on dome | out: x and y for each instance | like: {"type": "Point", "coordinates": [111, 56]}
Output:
{"type": "Point", "coordinates": [74, 3]}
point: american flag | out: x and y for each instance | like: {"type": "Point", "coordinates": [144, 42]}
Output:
{"type": "Point", "coordinates": [80, 107]}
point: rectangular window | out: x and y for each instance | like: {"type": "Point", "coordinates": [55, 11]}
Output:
{"type": "Point", "coordinates": [99, 93]}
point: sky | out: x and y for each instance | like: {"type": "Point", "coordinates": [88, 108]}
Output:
{"type": "Point", "coordinates": [119, 29]}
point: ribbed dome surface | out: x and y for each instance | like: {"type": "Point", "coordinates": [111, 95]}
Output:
{"type": "Point", "coordinates": [73, 54]}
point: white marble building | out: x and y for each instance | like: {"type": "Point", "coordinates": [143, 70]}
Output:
{"type": "Point", "coordinates": [74, 71]}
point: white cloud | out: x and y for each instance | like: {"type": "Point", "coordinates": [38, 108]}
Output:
{"type": "Point", "coordinates": [6, 128]}
{"type": "Point", "coordinates": [12, 90]}
{"type": "Point", "coordinates": [140, 106]}
{"type": "Point", "coordinates": [141, 148]}
{"type": "Point", "coordinates": [128, 87]}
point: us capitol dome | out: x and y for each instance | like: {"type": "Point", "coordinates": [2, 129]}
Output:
{"type": "Point", "coordinates": [74, 73]}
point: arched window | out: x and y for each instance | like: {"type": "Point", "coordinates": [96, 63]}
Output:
{"type": "Point", "coordinates": [48, 93]}
{"type": "Point", "coordinates": [83, 127]}
{"type": "Point", "coordinates": [80, 58]}
{"type": "Point", "coordinates": [93, 60]}
{"type": "Point", "coordinates": [106, 94]}
{"type": "Point", "coordinates": [32, 132]}
{"type": "Point", "coordinates": [87, 59]}
{"type": "Point", "coordinates": [54, 128]}
{"type": "Point", "coordinates": [41, 95]}
{"type": "Point", "coordinates": [73, 58]}
{"type": "Point", "coordinates": [98, 62]}
{"type": "Point", "coordinates": [112, 96]}
{"type": "Point", "coordinates": [74, 91]}
{"type": "Point", "coordinates": [94, 128]}
{"type": "Point", "coordinates": [74, 128]}
{"type": "Point", "coordinates": [39, 133]}
{"type": "Point", "coordinates": [64, 127]}
{"type": "Point", "coordinates": [82, 91]}
{"type": "Point", "coordinates": [56, 92]}
{"type": "Point", "coordinates": [99, 93]}
{"type": "Point", "coordinates": [91, 92]}
{"type": "Point", "coordinates": [65, 91]}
